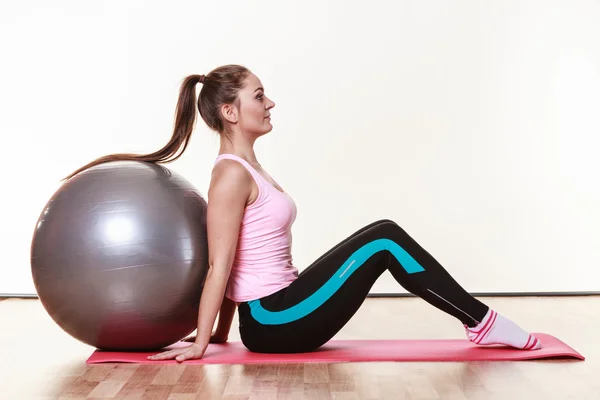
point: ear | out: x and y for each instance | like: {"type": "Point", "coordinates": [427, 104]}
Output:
{"type": "Point", "coordinates": [230, 112]}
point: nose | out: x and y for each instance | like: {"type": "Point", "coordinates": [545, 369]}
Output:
{"type": "Point", "coordinates": [270, 104]}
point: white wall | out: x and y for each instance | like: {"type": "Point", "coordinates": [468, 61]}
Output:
{"type": "Point", "coordinates": [473, 125]}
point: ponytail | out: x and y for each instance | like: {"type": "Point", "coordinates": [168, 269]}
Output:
{"type": "Point", "coordinates": [185, 118]}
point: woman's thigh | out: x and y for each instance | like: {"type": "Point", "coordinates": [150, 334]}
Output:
{"type": "Point", "coordinates": [324, 297]}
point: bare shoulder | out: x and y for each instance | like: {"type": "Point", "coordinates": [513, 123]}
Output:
{"type": "Point", "coordinates": [230, 179]}
{"type": "Point", "coordinates": [230, 170]}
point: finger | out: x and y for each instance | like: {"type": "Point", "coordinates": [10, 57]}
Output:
{"type": "Point", "coordinates": [167, 354]}
{"type": "Point", "coordinates": [190, 354]}
{"type": "Point", "coordinates": [185, 356]}
{"type": "Point", "coordinates": [163, 356]}
{"type": "Point", "coordinates": [160, 356]}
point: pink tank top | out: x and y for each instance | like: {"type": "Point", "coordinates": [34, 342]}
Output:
{"type": "Point", "coordinates": [263, 260]}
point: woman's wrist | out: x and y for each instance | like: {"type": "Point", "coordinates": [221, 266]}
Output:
{"type": "Point", "coordinates": [202, 339]}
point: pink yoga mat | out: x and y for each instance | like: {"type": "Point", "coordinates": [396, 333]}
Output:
{"type": "Point", "coordinates": [359, 351]}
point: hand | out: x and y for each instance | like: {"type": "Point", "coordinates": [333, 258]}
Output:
{"type": "Point", "coordinates": [215, 338]}
{"type": "Point", "coordinates": [191, 352]}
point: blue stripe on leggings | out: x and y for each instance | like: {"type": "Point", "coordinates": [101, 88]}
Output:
{"type": "Point", "coordinates": [356, 260]}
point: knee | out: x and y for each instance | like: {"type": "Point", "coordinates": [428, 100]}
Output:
{"type": "Point", "coordinates": [383, 227]}
{"type": "Point", "coordinates": [389, 226]}
{"type": "Point", "coordinates": [386, 222]}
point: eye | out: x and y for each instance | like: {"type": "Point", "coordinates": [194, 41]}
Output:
{"type": "Point", "coordinates": [260, 96]}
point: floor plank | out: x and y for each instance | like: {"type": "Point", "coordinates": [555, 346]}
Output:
{"type": "Point", "coordinates": [46, 363]}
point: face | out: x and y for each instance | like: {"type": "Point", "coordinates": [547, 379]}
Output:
{"type": "Point", "coordinates": [254, 112]}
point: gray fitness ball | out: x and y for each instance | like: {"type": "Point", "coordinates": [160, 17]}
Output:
{"type": "Point", "coordinates": [119, 256]}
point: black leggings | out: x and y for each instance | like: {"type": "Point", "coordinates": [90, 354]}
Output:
{"type": "Point", "coordinates": [312, 309]}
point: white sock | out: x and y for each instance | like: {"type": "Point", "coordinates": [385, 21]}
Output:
{"type": "Point", "coordinates": [495, 329]}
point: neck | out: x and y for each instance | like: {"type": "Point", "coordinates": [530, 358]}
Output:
{"type": "Point", "coordinates": [238, 146]}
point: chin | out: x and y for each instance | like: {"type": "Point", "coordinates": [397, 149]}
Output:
{"type": "Point", "coordinates": [262, 130]}
{"type": "Point", "coordinates": [261, 133]}
{"type": "Point", "coordinates": [269, 129]}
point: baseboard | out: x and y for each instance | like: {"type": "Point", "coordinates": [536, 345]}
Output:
{"type": "Point", "coordinates": [474, 294]}
{"type": "Point", "coordinates": [18, 296]}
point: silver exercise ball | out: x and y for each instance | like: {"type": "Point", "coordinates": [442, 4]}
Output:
{"type": "Point", "coordinates": [119, 256]}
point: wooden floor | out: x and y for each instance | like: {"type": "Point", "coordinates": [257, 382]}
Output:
{"type": "Point", "coordinates": [40, 361]}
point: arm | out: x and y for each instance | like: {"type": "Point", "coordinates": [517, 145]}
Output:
{"type": "Point", "coordinates": [221, 334]}
{"type": "Point", "coordinates": [229, 192]}
{"type": "Point", "coordinates": [225, 319]}
{"type": "Point", "coordinates": [228, 195]}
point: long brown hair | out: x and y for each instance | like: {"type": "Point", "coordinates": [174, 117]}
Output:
{"type": "Point", "coordinates": [220, 86]}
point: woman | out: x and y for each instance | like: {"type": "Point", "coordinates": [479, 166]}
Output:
{"type": "Point", "coordinates": [249, 236]}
